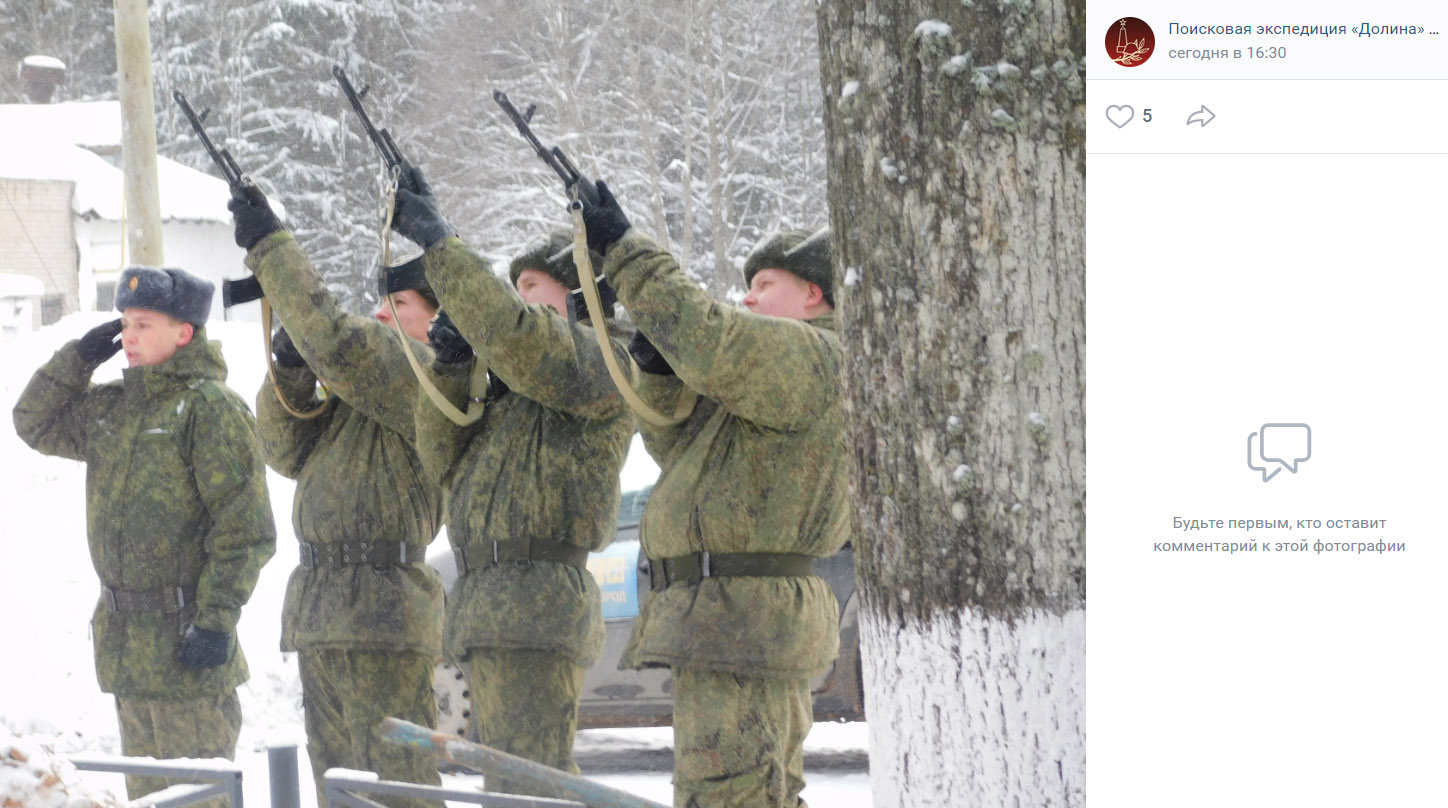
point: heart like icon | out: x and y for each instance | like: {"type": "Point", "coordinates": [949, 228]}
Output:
{"type": "Point", "coordinates": [1120, 115]}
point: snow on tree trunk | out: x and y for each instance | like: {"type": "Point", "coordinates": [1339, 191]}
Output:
{"type": "Point", "coordinates": [955, 141]}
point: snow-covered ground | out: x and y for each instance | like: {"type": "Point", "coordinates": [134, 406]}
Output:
{"type": "Point", "coordinates": [48, 691]}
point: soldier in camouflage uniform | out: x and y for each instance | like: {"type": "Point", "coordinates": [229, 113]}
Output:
{"type": "Point", "coordinates": [363, 609]}
{"type": "Point", "coordinates": [176, 512]}
{"type": "Point", "coordinates": [752, 490]}
{"type": "Point", "coordinates": [534, 483]}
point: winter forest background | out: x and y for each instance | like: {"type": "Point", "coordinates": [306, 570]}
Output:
{"type": "Point", "coordinates": [704, 116]}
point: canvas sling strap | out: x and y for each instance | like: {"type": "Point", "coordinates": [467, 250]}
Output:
{"type": "Point", "coordinates": [478, 386]}
{"type": "Point", "coordinates": [271, 370]}
{"type": "Point", "coordinates": [490, 553]}
{"type": "Point", "coordinates": [695, 567]}
{"type": "Point", "coordinates": [624, 382]}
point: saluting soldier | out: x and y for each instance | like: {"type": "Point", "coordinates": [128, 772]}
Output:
{"type": "Point", "coordinates": [363, 609]}
{"type": "Point", "coordinates": [534, 482]}
{"type": "Point", "coordinates": [177, 512]}
{"type": "Point", "coordinates": [752, 490]}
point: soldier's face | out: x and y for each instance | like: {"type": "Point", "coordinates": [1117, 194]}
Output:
{"type": "Point", "coordinates": [539, 287]}
{"type": "Point", "coordinates": [413, 313]}
{"type": "Point", "coordinates": [150, 337]}
{"type": "Point", "coordinates": [781, 293]}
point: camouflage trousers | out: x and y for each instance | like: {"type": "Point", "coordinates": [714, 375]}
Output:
{"type": "Point", "coordinates": [525, 703]}
{"type": "Point", "coordinates": [172, 728]}
{"type": "Point", "coordinates": [346, 693]}
{"type": "Point", "coordinates": [739, 740]}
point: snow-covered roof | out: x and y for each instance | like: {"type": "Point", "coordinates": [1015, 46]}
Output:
{"type": "Point", "coordinates": [186, 194]}
{"type": "Point", "coordinates": [84, 123]}
{"type": "Point", "coordinates": [48, 142]}
{"type": "Point", "coordinates": [20, 286]}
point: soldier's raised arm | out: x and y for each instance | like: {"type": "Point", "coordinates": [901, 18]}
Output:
{"type": "Point", "coordinates": [775, 371]}
{"type": "Point", "coordinates": [358, 358]}
{"type": "Point", "coordinates": [50, 413]}
{"type": "Point", "coordinates": [286, 439]}
{"type": "Point", "coordinates": [538, 353]}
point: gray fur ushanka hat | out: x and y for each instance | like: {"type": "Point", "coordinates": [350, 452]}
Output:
{"type": "Point", "coordinates": [552, 254]}
{"type": "Point", "coordinates": [798, 252]}
{"type": "Point", "coordinates": [168, 290]}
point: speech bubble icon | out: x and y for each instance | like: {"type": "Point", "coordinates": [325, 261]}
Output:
{"type": "Point", "coordinates": [1288, 444]}
{"type": "Point", "coordinates": [1253, 460]}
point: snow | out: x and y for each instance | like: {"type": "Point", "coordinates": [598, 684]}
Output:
{"type": "Point", "coordinates": [933, 28]}
{"type": "Point", "coordinates": [48, 692]}
{"type": "Point", "coordinates": [956, 65]}
{"type": "Point", "coordinates": [852, 276]}
{"type": "Point", "coordinates": [54, 142]}
{"type": "Point", "coordinates": [31, 775]}
{"type": "Point", "coordinates": [993, 713]}
{"type": "Point", "coordinates": [43, 61]}
{"type": "Point", "coordinates": [850, 88]}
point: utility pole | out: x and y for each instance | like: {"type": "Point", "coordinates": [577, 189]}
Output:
{"type": "Point", "coordinates": [138, 134]}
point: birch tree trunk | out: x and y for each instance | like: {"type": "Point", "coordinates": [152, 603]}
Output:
{"type": "Point", "coordinates": [955, 143]}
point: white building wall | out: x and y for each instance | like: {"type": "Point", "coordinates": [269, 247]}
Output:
{"type": "Point", "coordinates": [201, 248]}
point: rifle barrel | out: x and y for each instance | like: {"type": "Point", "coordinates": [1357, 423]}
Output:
{"type": "Point", "coordinates": [230, 171]}
{"type": "Point", "coordinates": [392, 158]}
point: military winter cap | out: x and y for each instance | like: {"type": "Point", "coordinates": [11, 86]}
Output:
{"type": "Point", "coordinates": [168, 290]}
{"type": "Point", "coordinates": [553, 255]}
{"type": "Point", "coordinates": [798, 252]}
{"type": "Point", "coordinates": [408, 275]}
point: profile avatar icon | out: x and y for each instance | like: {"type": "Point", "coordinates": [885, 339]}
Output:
{"type": "Point", "coordinates": [1129, 42]}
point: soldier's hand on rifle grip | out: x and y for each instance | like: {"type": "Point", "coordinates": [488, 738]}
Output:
{"type": "Point", "coordinates": [446, 341]}
{"type": "Point", "coordinates": [415, 213]}
{"type": "Point", "coordinates": [647, 356]}
{"type": "Point", "coordinates": [605, 221]}
{"type": "Point", "coordinates": [285, 350]}
{"type": "Point", "coordinates": [252, 215]}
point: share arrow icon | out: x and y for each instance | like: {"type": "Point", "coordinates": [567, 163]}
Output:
{"type": "Point", "coordinates": [1202, 116]}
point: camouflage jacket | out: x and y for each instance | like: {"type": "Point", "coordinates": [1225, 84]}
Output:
{"type": "Point", "coordinates": [356, 466]}
{"type": "Point", "coordinates": [175, 496]}
{"type": "Point", "coordinates": [542, 463]}
{"type": "Point", "coordinates": [759, 466]}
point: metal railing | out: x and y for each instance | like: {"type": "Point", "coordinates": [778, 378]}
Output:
{"type": "Point", "coordinates": [493, 763]}
{"type": "Point", "coordinates": [220, 780]}
{"type": "Point", "coordinates": [343, 787]}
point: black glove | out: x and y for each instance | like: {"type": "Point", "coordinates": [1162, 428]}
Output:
{"type": "Point", "coordinates": [101, 343]}
{"type": "Point", "coordinates": [286, 351]}
{"type": "Point", "coordinates": [415, 213]}
{"type": "Point", "coordinates": [647, 356]}
{"type": "Point", "coordinates": [204, 648]}
{"type": "Point", "coordinates": [605, 221]}
{"type": "Point", "coordinates": [446, 341]}
{"type": "Point", "coordinates": [252, 216]}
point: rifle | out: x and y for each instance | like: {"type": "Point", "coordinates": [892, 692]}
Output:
{"type": "Point", "coordinates": [230, 171]}
{"type": "Point", "coordinates": [573, 179]}
{"type": "Point", "coordinates": [580, 187]}
{"type": "Point", "coordinates": [244, 290]}
{"type": "Point", "coordinates": [380, 138]}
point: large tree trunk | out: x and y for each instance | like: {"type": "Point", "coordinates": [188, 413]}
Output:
{"type": "Point", "coordinates": [955, 137]}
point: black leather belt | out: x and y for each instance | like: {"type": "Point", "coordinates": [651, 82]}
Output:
{"type": "Point", "coordinates": [361, 552]}
{"type": "Point", "coordinates": [165, 599]}
{"type": "Point", "coordinates": [665, 572]}
{"type": "Point", "coordinates": [490, 553]}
